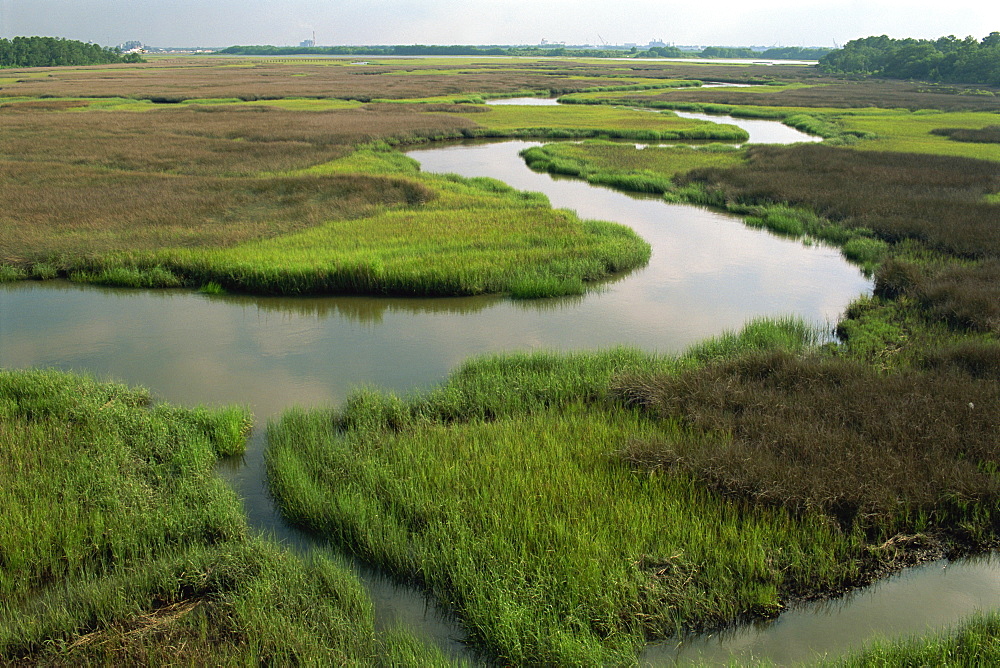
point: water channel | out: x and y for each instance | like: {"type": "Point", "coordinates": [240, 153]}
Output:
{"type": "Point", "coordinates": [708, 273]}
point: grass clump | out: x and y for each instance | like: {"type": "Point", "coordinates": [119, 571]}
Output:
{"type": "Point", "coordinates": [975, 642]}
{"type": "Point", "coordinates": [10, 273]}
{"type": "Point", "coordinates": [129, 277]}
{"type": "Point", "coordinates": [121, 546]}
{"type": "Point", "coordinates": [212, 288]}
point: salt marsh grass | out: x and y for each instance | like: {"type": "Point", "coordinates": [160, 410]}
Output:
{"type": "Point", "coordinates": [501, 492]}
{"type": "Point", "coordinates": [281, 201]}
{"type": "Point", "coordinates": [122, 547]}
{"type": "Point", "coordinates": [971, 643]}
{"type": "Point", "coordinates": [467, 237]}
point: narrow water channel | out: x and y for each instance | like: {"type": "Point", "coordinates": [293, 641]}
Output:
{"type": "Point", "coordinates": [708, 273]}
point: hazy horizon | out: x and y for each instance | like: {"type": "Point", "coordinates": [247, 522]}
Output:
{"type": "Point", "coordinates": [365, 22]}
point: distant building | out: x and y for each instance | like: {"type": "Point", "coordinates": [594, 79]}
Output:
{"type": "Point", "coordinates": [132, 46]}
{"type": "Point", "coordinates": [307, 43]}
{"type": "Point", "coordinates": [656, 42]}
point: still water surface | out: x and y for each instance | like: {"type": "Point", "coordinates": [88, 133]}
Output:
{"type": "Point", "coordinates": [708, 273]}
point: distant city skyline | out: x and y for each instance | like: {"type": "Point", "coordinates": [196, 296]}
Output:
{"type": "Point", "coordinates": [290, 22]}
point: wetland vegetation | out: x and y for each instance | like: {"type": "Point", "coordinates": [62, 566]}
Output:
{"type": "Point", "coordinates": [121, 546]}
{"type": "Point", "coordinates": [565, 507]}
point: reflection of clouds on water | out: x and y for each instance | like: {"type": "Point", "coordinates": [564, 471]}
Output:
{"type": "Point", "coordinates": [708, 273]}
{"type": "Point", "coordinates": [363, 309]}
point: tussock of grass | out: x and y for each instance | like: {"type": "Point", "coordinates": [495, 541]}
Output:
{"type": "Point", "coordinates": [9, 273]}
{"type": "Point", "coordinates": [975, 642]}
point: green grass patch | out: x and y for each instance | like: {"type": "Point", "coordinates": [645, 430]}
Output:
{"type": "Point", "coordinates": [914, 132]}
{"type": "Point", "coordinates": [473, 236]}
{"type": "Point", "coordinates": [9, 273]}
{"type": "Point", "coordinates": [975, 642]}
{"type": "Point", "coordinates": [570, 556]}
{"type": "Point", "coordinates": [129, 277]}
{"type": "Point", "coordinates": [598, 121]}
{"type": "Point", "coordinates": [122, 547]}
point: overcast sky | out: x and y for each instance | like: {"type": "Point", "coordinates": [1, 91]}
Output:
{"type": "Point", "coordinates": [682, 22]}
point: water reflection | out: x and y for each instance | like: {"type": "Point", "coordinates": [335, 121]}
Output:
{"type": "Point", "coordinates": [761, 131]}
{"type": "Point", "coordinates": [919, 600]}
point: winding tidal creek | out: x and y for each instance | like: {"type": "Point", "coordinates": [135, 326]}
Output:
{"type": "Point", "coordinates": [708, 273]}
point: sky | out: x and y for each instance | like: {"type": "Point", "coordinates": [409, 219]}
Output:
{"type": "Point", "coordinates": [219, 23]}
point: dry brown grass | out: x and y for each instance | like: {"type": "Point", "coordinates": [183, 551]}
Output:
{"type": "Point", "coordinates": [274, 78]}
{"type": "Point", "coordinates": [87, 183]}
{"type": "Point", "coordinates": [217, 140]}
{"type": "Point", "coordinates": [988, 135]}
{"type": "Point", "coordinates": [836, 93]}
{"type": "Point", "coordinates": [89, 211]}
{"type": "Point", "coordinates": [938, 200]}
{"type": "Point", "coordinates": [261, 78]}
{"type": "Point", "coordinates": [910, 451]}
{"type": "Point", "coordinates": [966, 296]}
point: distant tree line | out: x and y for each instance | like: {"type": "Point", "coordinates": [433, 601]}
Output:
{"type": "Point", "coordinates": [53, 51]}
{"type": "Point", "coordinates": [794, 52]}
{"type": "Point", "coordinates": [421, 50]}
{"type": "Point", "coordinates": [947, 59]}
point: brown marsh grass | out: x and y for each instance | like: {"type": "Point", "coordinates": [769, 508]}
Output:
{"type": "Point", "coordinates": [85, 183]}
{"type": "Point", "coordinates": [217, 140]}
{"type": "Point", "coordinates": [269, 78]}
{"type": "Point", "coordinates": [938, 200]}
{"type": "Point", "coordinates": [988, 135]}
{"type": "Point", "coordinates": [827, 92]}
{"type": "Point", "coordinates": [89, 211]}
{"type": "Point", "coordinates": [903, 452]}
{"type": "Point", "coordinates": [262, 78]}
{"type": "Point", "coordinates": [964, 295]}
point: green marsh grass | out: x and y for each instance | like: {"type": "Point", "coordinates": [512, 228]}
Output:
{"type": "Point", "coordinates": [472, 236]}
{"type": "Point", "coordinates": [121, 546]}
{"type": "Point", "coordinates": [974, 642]}
{"type": "Point", "coordinates": [612, 164]}
{"type": "Point", "coordinates": [9, 273]}
{"type": "Point", "coordinates": [502, 493]}
{"type": "Point", "coordinates": [607, 122]}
